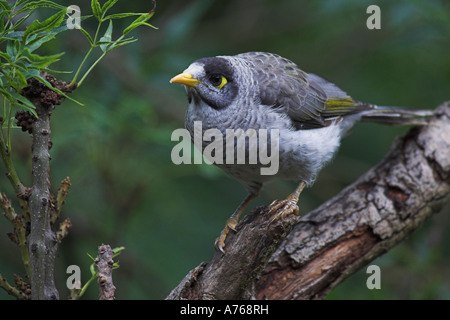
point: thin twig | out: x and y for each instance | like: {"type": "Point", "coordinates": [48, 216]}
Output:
{"type": "Point", "coordinates": [13, 177]}
{"type": "Point", "coordinates": [19, 230]}
{"type": "Point", "coordinates": [11, 290]}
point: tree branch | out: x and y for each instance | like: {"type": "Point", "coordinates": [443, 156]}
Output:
{"type": "Point", "coordinates": [330, 243]}
{"type": "Point", "coordinates": [20, 190]}
{"type": "Point", "coordinates": [11, 290]}
{"type": "Point", "coordinates": [105, 265]}
{"type": "Point", "coordinates": [19, 236]}
{"type": "Point", "coordinates": [42, 241]}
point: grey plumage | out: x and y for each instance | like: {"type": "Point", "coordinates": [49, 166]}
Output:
{"type": "Point", "coordinates": [265, 91]}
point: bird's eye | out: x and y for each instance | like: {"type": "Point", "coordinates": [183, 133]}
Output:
{"type": "Point", "coordinates": [218, 81]}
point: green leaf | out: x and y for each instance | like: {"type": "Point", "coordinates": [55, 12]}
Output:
{"type": "Point", "coordinates": [121, 43]}
{"type": "Point", "coordinates": [15, 35]}
{"type": "Point", "coordinates": [20, 64]}
{"type": "Point", "coordinates": [10, 123]}
{"type": "Point", "coordinates": [21, 80]}
{"type": "Point", "coordinates": [19, 22]}
{"type": "Point", "coordinates": [135, 25]}
{"type": "Point", "coordinates": [96, 9]}
{"type": "Point", "coordinates": [141, 20]}
{"type": "Point", "coordinates": [40, 62]}
{"type": "Point", "coordinates": [24, 102]}
{"type": "Point", "coordinates": [5, 56]}
{"type": "Point", "coordinates": [123, 15]}
{"type": "Point", "coordinates": [7, 95]}
{"type": "Point", "coordinates": [87, 35]}
{"type": "Point", "coordinates": [108, 4]}
{"type": "Point", "coordinates": [106, 37]}
{"type": "Point", "coordinates": [92, 269]}
{"type": "Point", "coordinates": [117, 251]}
{"type": "Point", "coordinates": [46, 25]}
{"type": "Point", "coordinates": [40, 4]}
{"type": "Point", "coordinates": [13, 48]}
{"type": "Point", "coordinates": [92, 258]}
{"type": "Point", "coordinates": [40, 40]}
{"type": "Point", "coordinates": [144, 17]}
{"type": "Point", "coordinates": [2, 21]}
{"type": "Point", "coordinates": [5, 5]}
{"type": "Point", "coordinates": [52, 71]}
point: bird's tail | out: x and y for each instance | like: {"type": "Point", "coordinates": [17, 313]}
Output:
{"type": "Point", "coordinates": [396, 115]}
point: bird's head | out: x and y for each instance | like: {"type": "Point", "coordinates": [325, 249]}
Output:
{"type": "Point", "coordinates": [213, 80]}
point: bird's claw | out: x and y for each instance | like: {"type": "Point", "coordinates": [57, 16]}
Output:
{"type": "Point", "coordinates": [282, 208]}
{"type": "Point", "coordinates": [219, 244]}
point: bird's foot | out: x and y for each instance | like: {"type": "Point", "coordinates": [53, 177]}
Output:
{"type": "Point", "coordinates": [220, 241]}
{"type": "Point", "coordinates": [280, 209]}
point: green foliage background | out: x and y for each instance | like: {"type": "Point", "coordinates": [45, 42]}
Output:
{"type": "Point", "coordinates": [116, 149]}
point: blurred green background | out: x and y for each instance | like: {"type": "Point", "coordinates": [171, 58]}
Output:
{"type": "Point", "coordinates": [116, 150]}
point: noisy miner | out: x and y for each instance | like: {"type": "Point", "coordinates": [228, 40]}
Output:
{"type": "Point", "coordinates": [259, 90]}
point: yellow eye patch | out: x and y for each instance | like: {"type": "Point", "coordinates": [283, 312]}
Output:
{"type": "Point", "coordinates": [222, 83]}
{"type": "Point", "coordinates": [217, 80]}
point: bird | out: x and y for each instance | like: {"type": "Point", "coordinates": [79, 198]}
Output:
{"type": "Point", "coordinates": [265, 91]}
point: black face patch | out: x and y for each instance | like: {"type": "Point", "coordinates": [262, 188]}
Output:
{"type": "Point", "coordinates": [217, 66]}
{"type": "Point", "coordinates": [216, 98]}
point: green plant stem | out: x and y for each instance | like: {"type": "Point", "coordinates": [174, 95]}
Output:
{"type": "Point", "coordinates": [86, 285]}
{"type": "Point", "coordinates": [93, 46]}
{"type": "Point", "coordinates": [11, 173]}
{"type": "Point", "coordinates": [90, 69]}
{"type": "Point", "coordinates": [9, 129]}
{"type": "Point", "coordinates": [11, 290]}
{"type": "Point", "coordinates": [98, 60]}
{"type": "Point", "coordinates": [81, 65]}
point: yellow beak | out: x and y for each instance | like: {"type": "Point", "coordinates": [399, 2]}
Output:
{"type": "Point", "coordinates": [185, 78]}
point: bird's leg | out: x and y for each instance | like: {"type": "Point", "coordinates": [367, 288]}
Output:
{"type": "Point", "coordinates": [282, 208]}
{"type": "Point", "coordinates": [233, 221]}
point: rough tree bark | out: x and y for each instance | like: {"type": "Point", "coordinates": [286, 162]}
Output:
{"type": "Point", "coordinates": [304, 258]}
{"type": "Point", "coordinates": [42, 240]}
{"type": "Point", "coordinates": [105, 264]}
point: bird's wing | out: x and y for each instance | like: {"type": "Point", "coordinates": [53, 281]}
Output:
{"type": "Point", "coordinates": [309, 100]}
